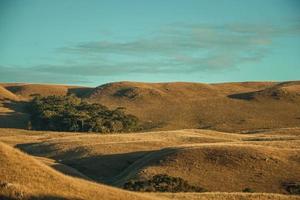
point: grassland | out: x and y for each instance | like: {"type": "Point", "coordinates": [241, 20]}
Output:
{"type": "Point", "coordinates": [217, 161]}
{"type": "Point", "coordinates": [221, 137]}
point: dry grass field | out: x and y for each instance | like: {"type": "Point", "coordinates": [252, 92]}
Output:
{"type": "Point", "coordinates": [231, 107]}
{"type": "Point", "coordinates": [23, 177]}
{"type": "Point", "coordinates": [221, 137]}
{"type": "Point", "coordinates": [217, 161]}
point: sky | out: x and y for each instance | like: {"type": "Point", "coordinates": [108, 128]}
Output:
{"type": "Point", "coordinates": [92, 42]}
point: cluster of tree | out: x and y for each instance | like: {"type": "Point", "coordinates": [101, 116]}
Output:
{"type": "Point", "coordinates": [249, 190]}
{"type": "Point", "coordinates": [69, 113]}
{"type": "Point", "coordinates": [292, 187]}
{"type": "Point", "coordinates": [162, 183]}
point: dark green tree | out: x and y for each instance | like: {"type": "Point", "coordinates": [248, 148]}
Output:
{"type": "Point", "coordinates": [69, 113]}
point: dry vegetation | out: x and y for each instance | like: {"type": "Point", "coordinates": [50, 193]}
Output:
{"type": "Point", "coordinates": [229, 107]}
{"type": "Point", "coordinates": [224, 107]}
{"type": "Point", "coordinates": [225, 196]}
{"type": "Point", "coordinates": [23, 177]}
{"type": "Point", "coordinates": [254, 142]}
{"type": "Point", "coordinates": [216, 161]}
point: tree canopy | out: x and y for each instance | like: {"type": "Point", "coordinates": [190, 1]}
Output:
{"type": "Point", "coordinates": [162, 183]}
{"type": "Point", "coordinates": [69, 113]}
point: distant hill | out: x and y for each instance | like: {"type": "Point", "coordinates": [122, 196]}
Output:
{"type": "Point", "coordinates": [6, 94]}
{"type": "Point", "coordinates": [209, 106]}
{"type": "Point", "coordinates": [26, 90]}
{"type": "Point", "coordinates": [167, 106]}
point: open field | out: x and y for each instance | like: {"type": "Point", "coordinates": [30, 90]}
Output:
{"type": "Point", "coordinates": [224, 138]}
{"type": "Point", "coordinates": [231, 107]}
{"type": "Point", "coordinates": [23, 177]}
{"type": "Point", "coordinates": [216, 161]}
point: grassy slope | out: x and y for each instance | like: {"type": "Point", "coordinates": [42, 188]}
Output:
{"type": "Point", "coordinates": [226, 196]}
{"type": "Point", "coordinates": [11, 112]}
{"type": "Point", "coordinates": [167, 106]}
{"type": "Point", "coordinates": [23, 177]}
{"type": "Point", "coordinates": [6, 94]}
{"type": "Point", "coordinates": [228, 168]}
{"type": "Point", "coordinates": [214, 160]}
{"type": "Point", "coordinates": [193, 105]}
{"type": "Point", "coordinates": [24, 91]}
{"type": "Point", "coordinates": [13, 97]}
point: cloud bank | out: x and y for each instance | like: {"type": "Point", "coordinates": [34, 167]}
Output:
{"type": "Point", "coordinates": [176, 48]}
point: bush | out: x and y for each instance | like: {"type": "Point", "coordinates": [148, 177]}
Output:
{"type": "Point", "coordinates": [69, 113]}
{"type": "Point", "coordinates": [249, 190]}
{"type": "Point", "coordinates": [162, 183]}
{"type": "Point", "coordinates": [292, 187]}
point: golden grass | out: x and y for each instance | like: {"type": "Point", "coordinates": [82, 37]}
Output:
{"type": "Point", "coordinates": [171, 106]}
{"type": "Point", "coordinates": [224, 107]}
{"type": "Point", "coordinates": [225, 196]}
{"type": "Point", "coordinates": [228, 168]}
{"type": "Point", "coordinates": [257, 145]}
{"type": "Point", "coordinates": [214, 160]}
{"type": "Point", "coordinates": [6, 94]}
{"type": "Point", "coordinates": [23, 176]}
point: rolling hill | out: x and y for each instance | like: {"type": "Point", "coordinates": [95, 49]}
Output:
{"type": "Point", "coordinates": [223, 163]}
{"type": "Point", "coordinates": [223, 137]}
{"type": "Point", "coordinates": [6, 94]}
{"type": "Point", "coordinates": [232, 107]}
{"type": "Point", "coordinates": [216, 161]}
{"type": "Point", "coordinates": [22, 177]}
{"type": "Point", "coordinates": [170, 106]}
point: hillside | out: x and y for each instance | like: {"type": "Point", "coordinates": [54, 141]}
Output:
{"type": "Point", "coordinates": [253, 141]}
{"type": "Point", "coordinates": [288, 91]}
{"type": "Point", "coordinates": [168, 106]}
{"type": "Point", "coordinates": [225, 196]}
{"type": "Point", "coordinates": [216, 161]}
{"type": "Point", "coordinates": [22, 177]}
{"type": "Point", "coordinates": [232, 107]}
{"type": "Point", "coordinates": [25, 91]}
{"type": "Point", "coordinates": [6, 94]}
{"type": "Point", "coordinates": [224, 167]}
{"type": "Point", "coordinates": [13, 98]}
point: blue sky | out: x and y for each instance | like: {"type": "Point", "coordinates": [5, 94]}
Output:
{"type": "Point", "coordinates": [88, 42]}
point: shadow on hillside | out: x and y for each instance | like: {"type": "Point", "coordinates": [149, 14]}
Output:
{"type": "Point", "coordinates": [243, 96]}
{"type": "Point", "coordinates": [80, 92]}
{"type": "Point", "coordinates": [100, 168]}
{"type": "Point", "coordinates": [36, 149]}
{"type": "Point", "coordinates": [16, 117]}
{"type": "Point", "coordinates": [14, 89]}
{"type": "Point", "coordinates": [103, 168]}
{"type": "Point", "coordinates": [45, 149]}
